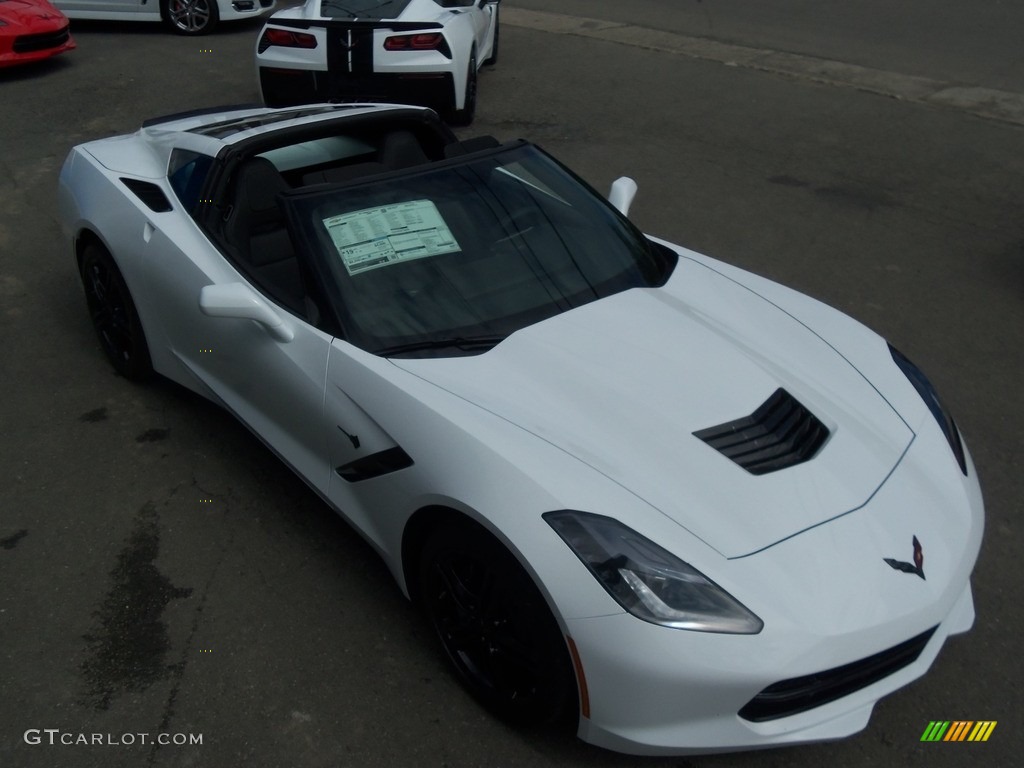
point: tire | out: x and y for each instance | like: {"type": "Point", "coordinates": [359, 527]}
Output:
{"type": "Point", "coordinates": [191, 17]}
{"type": "Point", "coordinates": [495, 627]}
{"type": "Point", "coordinates": [491, 60]}
{"type": "Point", "coordinates": [465, 115]}
{"type": "Point", "coordinates": [113, 314]}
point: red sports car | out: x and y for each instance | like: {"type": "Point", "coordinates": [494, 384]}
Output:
{"type": "Point", "coordinates": [31, 30]}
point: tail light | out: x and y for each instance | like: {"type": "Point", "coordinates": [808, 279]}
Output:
{"type": "Point", "coordinates": [286, 39]}
{"type": "Point", "coordinates": [432, 41]}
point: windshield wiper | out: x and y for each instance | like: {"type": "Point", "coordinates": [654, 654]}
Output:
{"type": "Point", "coordinates": [464, 343]}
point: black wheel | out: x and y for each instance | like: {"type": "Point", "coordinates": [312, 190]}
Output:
{"type": "Point", "coordinates": [465, 115]}
{"type": "Point", "coordinates": [491, 60]}
{"type": "Point", "coordinates": [113, 314]}
{"type": "Point", "coordinates": [495, 626]}
{"type": "Point", "coordinates": [191, 17]}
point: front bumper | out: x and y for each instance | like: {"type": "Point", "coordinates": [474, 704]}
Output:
{"type": "Point", "coordinates": [37, 45]}
{"type": "Point", "coordinates": [656, 703]}
{"type": "Point", "coordinates": [832, 608]}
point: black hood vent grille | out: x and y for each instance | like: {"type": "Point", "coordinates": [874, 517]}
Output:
{"type": "Point", "coordinates": [780, 433]}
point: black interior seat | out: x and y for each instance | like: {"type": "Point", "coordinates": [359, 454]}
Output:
{"type": "Point", "coordinates": [343, 173]}
{"type": "Point", "coordinates": [401, 149]}
{"type": "Point", "coordinates": [467, 146]}
{"type": "Point", "coordinates": [256, 233]}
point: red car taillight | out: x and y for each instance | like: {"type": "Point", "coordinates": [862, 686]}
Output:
{"type": "Point", "coordinates": [432, 41]}
{"type": "Point", "coordinates": [286, 39]}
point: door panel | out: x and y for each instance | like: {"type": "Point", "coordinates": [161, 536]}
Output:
{"type": "Point", "coordinates": [276, 388]}
{"type": "Point", "coordinates": [109, 6]}
{"type": "Point", "coordinates": [485, 30]}
{"type": "Point", "coordinates": [481, 24]}
{"type": "Point", "coordinates": [366, 462]}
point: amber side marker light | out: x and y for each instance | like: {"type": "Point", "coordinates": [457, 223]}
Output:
{"type": "Point", "coordinates": [580, 677]}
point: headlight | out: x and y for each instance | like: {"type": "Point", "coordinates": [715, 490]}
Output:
{"type": "Point", "coordinates": [648, 581]}
{"type": "Point", "coordinates": [931, 398]}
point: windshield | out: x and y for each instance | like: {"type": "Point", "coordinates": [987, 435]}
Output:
{"type": "Point", "coordinates": [364, 10]}
{"type": "Point", "coordinates": [453, 258]}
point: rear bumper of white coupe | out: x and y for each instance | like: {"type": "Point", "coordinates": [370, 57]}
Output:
{"type": "Point", "coordinates": [339, 62]}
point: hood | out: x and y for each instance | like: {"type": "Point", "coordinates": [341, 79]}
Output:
{"type": "Point", "coordinates": [35, 13]}
{"type": "Point", "coordinates": [623, 383]}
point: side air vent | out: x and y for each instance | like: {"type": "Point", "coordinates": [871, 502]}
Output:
{"type": "Point", "coordinates": [375, 465]}
{"type": "Point", "coordinates": [150, 194]}
{"type": "Point", "coordinates": [780, 433]}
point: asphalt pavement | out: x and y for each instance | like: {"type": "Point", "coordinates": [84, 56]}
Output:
{"type": "Point", "coordinates": [162, 573]}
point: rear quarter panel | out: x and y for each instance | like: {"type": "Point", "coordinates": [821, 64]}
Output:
{"type": "Point", "coordinates": [93, 203]}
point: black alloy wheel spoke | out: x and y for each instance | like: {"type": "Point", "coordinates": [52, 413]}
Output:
{"type": "Point", "coordinates": [512, 651]}
{"type": "Point", "coordinates": [101, 315]}
{"type": "Point", "coordinates": [494, 626]}
{"type": "Point", "coordinates": [454, 591]}
{"type": "Point", "coordinates": [112, 311]}
{"type": "Point", "coordinates": [488, 597]}
{"type": "Point", "coordinates": [108, 312]}
{"type": "Point", "coordinates": [99, 282]}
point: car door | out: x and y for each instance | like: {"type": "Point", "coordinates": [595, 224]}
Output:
{"type": "Point", "coordinates": [269, 372]}
{"type": "Point", "coordinates": [109, 6]}
{"type": "Point", "coordinates": [366, 461]}
{"type": "Point", "coordinates": [484, 15]}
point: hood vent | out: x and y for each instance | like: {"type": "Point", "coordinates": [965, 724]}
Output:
{"type": "Point", "coordinates": [780, 433]}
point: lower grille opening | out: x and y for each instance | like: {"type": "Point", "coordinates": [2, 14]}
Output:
{"type": "Point", "coordinates": [41, 42]}
{"type": "Point", "coordinates": [790, 697]}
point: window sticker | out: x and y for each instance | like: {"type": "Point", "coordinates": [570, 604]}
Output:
{"type": "Point", "coordinates": [390, 234]}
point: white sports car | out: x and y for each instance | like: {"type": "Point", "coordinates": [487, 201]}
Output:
{"type": "Point", "coordinates": [631, 486]}
{"type": "Point", "coordinates": [411, 51]}
{"type": "Point", "coordinates": [186, 17]}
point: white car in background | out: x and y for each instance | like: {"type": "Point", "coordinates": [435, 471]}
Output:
{"type": "Point", "coordinates": [425, 52]}
{"type": "Point", "coordinates": [186, 17]}
{"type": "Point", "coordinates": [634, 488]}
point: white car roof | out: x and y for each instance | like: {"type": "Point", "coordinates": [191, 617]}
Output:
{"type": "Point", "coordinates": [146, 152]}
{"type": "Point", "coordinates": [231, 125]}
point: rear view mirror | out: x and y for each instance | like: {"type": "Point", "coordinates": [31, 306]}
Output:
{"type": "Point", "coordinates": [622, 193]}
{"type": "Point", "coordinates": [239, 301]}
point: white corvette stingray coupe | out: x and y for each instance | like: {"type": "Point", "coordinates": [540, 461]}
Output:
{"type": "Point", "coordinates": [411, 51]}
{"type": "Point", "coordinates": [186, 17]}
{"type": "Point", "coordinates": [632, 487]}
